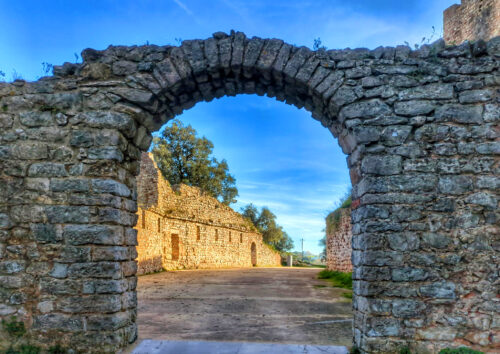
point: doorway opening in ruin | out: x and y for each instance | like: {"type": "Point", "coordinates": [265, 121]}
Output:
{"type": "Point", "coordinates": [175, 247]}
{"type": "Point", "coordinates": [253, 251]}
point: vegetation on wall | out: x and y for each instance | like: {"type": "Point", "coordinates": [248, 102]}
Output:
{"type": "Point", "coordinates": [183, 157]}
{"type": "Point", "coordinates": [265, 222]}
{"type": "Point", "coordinates": [333, 220]}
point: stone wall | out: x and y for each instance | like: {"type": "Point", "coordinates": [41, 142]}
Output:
{"type": "Point", "coordinates": [420, 129]}
{"type": "Point", "coordinates": [338, 244]}
{"type": "Point", "coordinates": [182, 228]}
{"type": "Point", "coordinates": [472, 20]}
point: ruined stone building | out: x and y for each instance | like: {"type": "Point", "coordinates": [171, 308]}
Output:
{"type": "Point", "coordinates": [338, 244]}
{"type": "Point", "coordinates": [180, 227]}
{"type": "Point", "coordinates": [472, 20]}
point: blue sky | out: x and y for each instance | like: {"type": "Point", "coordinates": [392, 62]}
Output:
{"type": "Point", "coordinates": [280, 156]}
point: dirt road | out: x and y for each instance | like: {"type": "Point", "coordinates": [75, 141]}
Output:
{"type": "Point", "coordinates": [285, 305]}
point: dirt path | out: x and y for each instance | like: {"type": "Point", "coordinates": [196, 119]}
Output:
{"type": "Point", "coordinates": [286, 305]}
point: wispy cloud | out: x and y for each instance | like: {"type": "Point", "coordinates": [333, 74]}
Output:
{"type": "Point", "coordinates": [184, 7]}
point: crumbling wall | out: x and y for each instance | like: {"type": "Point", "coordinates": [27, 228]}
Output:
{"type": "Point", "coordinates": [472, 20]}
{"type": "Point", "coordinates": [338, 244]}
{"type": "Point", "coordinates": [183, 228]}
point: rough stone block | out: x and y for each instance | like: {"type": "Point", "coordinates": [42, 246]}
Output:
{"type": "Point", "coordinates": [439, 290]}
{"type": "Point", "coordinates": [95, 270]}
{"type": "Point", "coordinates": [67, 214]}
{"type": "Point", "coordinates": [90, 303]}
{"type": "Point", "coordinates": [110, 186]}
{"type": "Point", "coordinates": [93, 234]}
{"type": "Point", "coordinates": [381, 165]}
{"type": "Point", "coordinates": [57, 321]}
{"type": "Point", "coordinates": [36, 119]}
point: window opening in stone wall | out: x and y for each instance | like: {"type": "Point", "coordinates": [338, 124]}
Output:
{"type": "Point", "coordinates": [175, 247]}
{"type": "Point", "coordinates": [198, 233]}
{"type": "Point", "coordinates": [229, 236]}
{"type": "Point", "coordinates": [159, 225]}
{"type": "Point", "coordinates": [216, 235]}
{"type": "Point", "coordinates": [143, 218]}
{"type": "Point", "coordinates": [241, 238]}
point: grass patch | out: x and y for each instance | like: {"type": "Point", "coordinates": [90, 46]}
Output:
{"type": "Point", "coordinates": [347, 295]}
{"type": "Point", "coordinates": [338, 279]}
{"type": "Point", "coordinates": [13, 327]}
{"type": "Point", "coordinates": [307, 265]}
{"type": "Point", "coordinates": [461, 350]}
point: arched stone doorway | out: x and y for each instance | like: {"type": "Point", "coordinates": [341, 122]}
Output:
{"type": "Point", "coordinates": [253, 253]}
{"type": "Point", "coordinates": [419, 129]}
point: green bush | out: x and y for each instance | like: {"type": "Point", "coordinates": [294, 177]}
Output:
{"type": "Point", "coordinates": [57, 349]}
{"type": "Point", "coordinates": [461, 350]}
{"type": "Point", "coordinates": [405, 350]}
{"type": "Point", "coordinates": [338, 279]}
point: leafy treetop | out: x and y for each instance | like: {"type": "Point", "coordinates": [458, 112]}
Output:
{"type": "Point", "coordinates": [265, 222]}
{"type": "Point", "coordinates": [183, 157]}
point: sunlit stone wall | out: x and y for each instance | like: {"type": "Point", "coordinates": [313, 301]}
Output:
{"type": "Point", "coordinates": [183, 228]}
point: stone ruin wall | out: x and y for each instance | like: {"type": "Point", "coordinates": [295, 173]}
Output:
{"type": "Point", "coordinates": [472, 20]}
{"type": "Point", "coordinates": [210, 234]}
{"type": "Point", "coordinates": [338, 245]}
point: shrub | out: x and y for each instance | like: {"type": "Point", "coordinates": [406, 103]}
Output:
{"type": "Point", "coordinates": [338, 279]}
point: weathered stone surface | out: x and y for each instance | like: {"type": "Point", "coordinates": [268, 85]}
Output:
{"type": "Point", "coordinates": [365, 109]}
{"type": "Point", "coordinates": [36, 119]}
{"type": "Point", "coordinates": [381, 165]}
{"type": "Point", "coordinates": [93, 234]}
{"type": "Point", "coordinates": [45, 233]}
{"type": "Point", "coordinates": [47, 169]}
{"type": "Point", "coordinates": [60, 322]}
{"type": "Point", "coordinates": [67, 214]}
{"type": "Point", "coordinates": [475, 96]}
{"type": "Point", "coordinates": [109, 120]}
{"type": "Point", "coordinates": [442, 290]}
{"type": "Point", "coordinates": [110, 186]}
{"type": "Point", "coordinates": [95, 270]}
{"type": "Point", "coordinates": [460, 113]}
{"type": "Point", "coordinates": [455, 184]}
{"type": "Point", "coordinates": [414, 108]}
{"type": "Point", "coordinates": [430, 91]}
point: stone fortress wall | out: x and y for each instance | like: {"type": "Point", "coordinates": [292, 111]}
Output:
{"type": "Point", "coordinates": [472, 20]}
{"type": "Point", "coordinates": [339, 246]}
{"type": "Point", "coordinates": [181, 228]}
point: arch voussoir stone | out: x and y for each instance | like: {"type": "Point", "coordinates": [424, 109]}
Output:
{"type": "Point", "coordinates": [420, 129]}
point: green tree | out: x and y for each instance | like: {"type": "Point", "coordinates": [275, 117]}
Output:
{"type": "Point", "coordinates": [322, 243]}
{"type": "Point", "coordinates": [183, 157]}
{"type": "Point", "coordinates": [265, 222]}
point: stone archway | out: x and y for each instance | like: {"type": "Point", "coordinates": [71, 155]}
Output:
{"type": "Point", "coordinates": [419, 129]}
{"type": "Point", "coordinates": [253, 254]}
